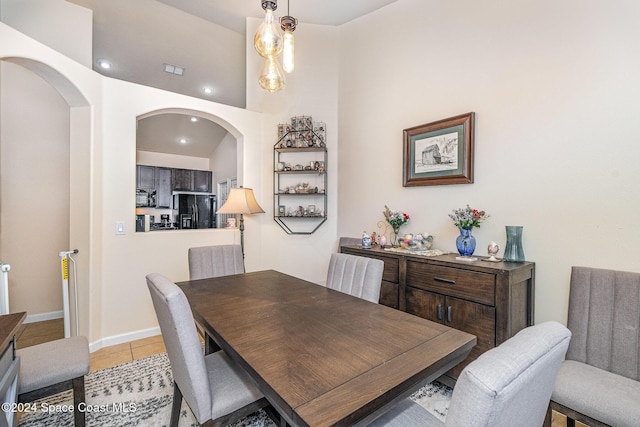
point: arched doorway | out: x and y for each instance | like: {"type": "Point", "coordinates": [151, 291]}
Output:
{"type": "Point", "coordinates": [44, 186]}
{"type": "Point", "coordinates": [180, 138]}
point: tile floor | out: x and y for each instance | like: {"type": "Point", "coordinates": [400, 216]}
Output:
{"type": "Point", "coordinates": [39, 332]}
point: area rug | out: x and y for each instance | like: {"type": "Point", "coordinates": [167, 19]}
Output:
{"type": "Point", "coordinates": [140, 393]}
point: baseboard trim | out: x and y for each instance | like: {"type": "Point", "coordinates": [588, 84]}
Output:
{"type": "Point", "coordinates": [40, 317]}
{"type": "Point", "coordinates": [123, 338]}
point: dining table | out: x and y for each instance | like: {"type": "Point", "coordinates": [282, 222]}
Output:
{"type": "Point", "coordinates": [321, 357]}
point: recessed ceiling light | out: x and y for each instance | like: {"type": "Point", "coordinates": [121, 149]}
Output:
{"type": "Point", "coordinates": [104, 64]}
{"type": "Point", "coordinates": [182, 140]}
{"type": "Point", "coordinates": [208, 90]}
{"type": "Point", "coordinates": [194, 119]}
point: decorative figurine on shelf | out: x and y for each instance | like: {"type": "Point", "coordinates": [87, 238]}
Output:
{"type": "Point", "coordinates": [493, 249]}
{"type": "Point", "coordinates": [373, 238]}
{"type": "Point", "coordinates": [382, 241]}
{"type": "Point", "coordinates": [366, 240]}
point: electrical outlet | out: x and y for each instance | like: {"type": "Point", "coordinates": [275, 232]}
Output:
{"type": "Point", "coordinates": [120, 227]}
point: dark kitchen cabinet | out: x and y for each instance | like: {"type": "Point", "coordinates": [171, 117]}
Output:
{"type": "Point", "coordinates": [492, 301]}
{"type": "Point", "coordinates": [163, 188]}
{"type": "Point", "coordinates": [191, 180]}
{"type": "Point", "coordinates": [182, 180]}
{"type": "Point", "coordinates": [202, 181]}
{"type": "Point", "coordinates": [145, 177]}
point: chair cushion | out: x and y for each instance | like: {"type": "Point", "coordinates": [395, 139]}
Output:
{"type": "Point", "coordinates": [407, 413]}
{"type": "Point", "coordinates": [53, 362]}
{"type": "Point", "coordinates": [606, 397]}
{"type": "Point", "coordinates": [231, 387]}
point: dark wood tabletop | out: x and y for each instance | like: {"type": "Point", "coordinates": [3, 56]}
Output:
{"type": "Point", "coordinates": [321, 357]}
{"type": "Point", "coordinates": [9, 324]}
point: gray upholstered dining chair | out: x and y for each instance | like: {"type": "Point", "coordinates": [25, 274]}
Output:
{"type": "Point", "coordinates": [215, 261]}
{"type": "Point", "coordinates": [509, 385]}
{"type": "Point", "coordinates": [52, 367]}
{"type": "Point", "coordinates": [355, 275]}
{"type": "Point", "coordinates": [343, 241]}
{"type": "Point", "coordinates": [218, 391]}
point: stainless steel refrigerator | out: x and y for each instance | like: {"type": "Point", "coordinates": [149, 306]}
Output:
{"type": "Point", "coordinates": [195, 210]}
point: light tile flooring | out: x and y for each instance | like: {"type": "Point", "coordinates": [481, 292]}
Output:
{"type": "Point", "coordinates": [49, 330]}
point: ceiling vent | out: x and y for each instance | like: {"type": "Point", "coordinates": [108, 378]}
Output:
{"type": "Point", "coordinates": [173, 69]}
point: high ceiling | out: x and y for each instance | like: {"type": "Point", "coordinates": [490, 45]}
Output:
{"type": "Point", "coordinates": [205, 37]}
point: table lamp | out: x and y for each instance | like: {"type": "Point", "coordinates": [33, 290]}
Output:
{"type": "Point", "coordinates": [241, 201]}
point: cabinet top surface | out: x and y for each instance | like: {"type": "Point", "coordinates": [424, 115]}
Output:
{"type": "Point", "coordinates": [448, 259]}
{"type": "Point", "coordinates": [9, 324]}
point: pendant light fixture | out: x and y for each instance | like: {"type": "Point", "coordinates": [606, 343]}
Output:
{"type": "Point", "coordinates": [269, 44]}
{"type": "Point", "coordinates": [268, 40]}
{"type": "Point", "coordinates": [288, 24]}
{"type": "Point", "coordinates": [271, 78]}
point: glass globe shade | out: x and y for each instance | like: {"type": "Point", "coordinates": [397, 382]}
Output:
{"type": "Point", "coordinates": [268, 40]}
{"type": "Point", "coordinates": [271, 78]}
{"type": "Point", "coordinates": [287, 53]}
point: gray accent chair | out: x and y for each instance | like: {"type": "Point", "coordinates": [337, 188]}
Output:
{"type": "Point", "coordinates": [215, 261]}
{"type": "Point", "coordinates": [344, 241]}
{"type": "Point", "coordinates": [218, 391]}
{"type": "Point", "coordinates": [356, 275]}
{"type": "Point", "coordinates": [599, 383]}
{"type": "Point", "coordinates": [52, 367]}
{"type": "Point", "coordinates": [509, 385]}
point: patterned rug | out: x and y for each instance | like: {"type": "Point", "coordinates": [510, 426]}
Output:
{"type": "Point", "coordinates": [140, 393]}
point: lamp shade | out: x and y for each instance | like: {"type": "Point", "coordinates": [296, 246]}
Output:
{"type": "Point", "coordinates": [240, 201]}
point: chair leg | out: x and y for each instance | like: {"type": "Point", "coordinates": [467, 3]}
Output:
{"type": "Point", "coordinates": [175, 408]}
{"type": "Point", "coordinates": [78, 397]}
{"type": "Point", "coordinates": [547, 417]}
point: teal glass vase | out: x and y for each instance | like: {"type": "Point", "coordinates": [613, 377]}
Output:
{"type": "Point", "coordinates": [513, 250]}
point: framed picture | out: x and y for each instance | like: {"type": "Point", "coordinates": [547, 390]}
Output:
{"type": "Point", "coordinates": [281, 210]}
{"type": "Point", "coordinates": [440, 152]}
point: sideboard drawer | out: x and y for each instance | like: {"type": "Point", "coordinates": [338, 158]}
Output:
{"type": "Point", "coordinates": [470, 285]}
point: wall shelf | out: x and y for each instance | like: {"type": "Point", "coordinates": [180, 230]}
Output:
{"type": "Point", "coordinates": [300, 178]}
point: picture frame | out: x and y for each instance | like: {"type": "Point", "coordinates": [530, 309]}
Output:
{"type": "Point", "coordinates": [440, 152]}
{"type": "Point", "coordinates": [281, 210]}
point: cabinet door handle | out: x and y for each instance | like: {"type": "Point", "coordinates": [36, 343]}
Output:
{"type": "Point", "coordinates": [449, 314]}
{"type": "Point", "coordinates": [440, 312]}
{"type": "Point", "coordinates": [442, 279]}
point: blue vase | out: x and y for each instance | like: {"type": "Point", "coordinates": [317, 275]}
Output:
{"type": "Point", "coordinates": [465, 242]}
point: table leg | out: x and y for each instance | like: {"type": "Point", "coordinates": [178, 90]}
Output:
{"type": "Point", "coordinates": [210, 345]}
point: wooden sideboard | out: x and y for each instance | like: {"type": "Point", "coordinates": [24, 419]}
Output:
{"type": "Point", "coordinates": [9, 365]}
{"type": "Point", "coordinates": [491, 300]}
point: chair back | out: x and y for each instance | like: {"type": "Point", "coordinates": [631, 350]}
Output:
{"type": "Point", "coordinates": [511, 385]}
{"type": "Point", "coordinates": [183, 346]}
{"type": "Point", "coordinates": [604, 318]}
{"type": "Point", "coordinates": [356, 275]}
{"type": "Point", "coordinates": [344, 241]}
{"type": "Point", "coordinates": [215, 261]}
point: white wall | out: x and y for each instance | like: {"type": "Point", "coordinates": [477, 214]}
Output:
{"type": "Point", "coordinates": [224, 161]}
{"type": "Point", "coordinates": [44, 20]}
{"type": "Point", "coordinates": [171, 160]}
{"type": "Point", "coordinates": [115, 305]}
{"type": "Point", "coordinates": [34, 190]}
{"type": "Point", "coordinates": [554, 86]}
{"type": "Point", "coordinates": [311, 90]}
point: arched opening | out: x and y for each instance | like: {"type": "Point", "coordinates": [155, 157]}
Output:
{"type": "Point", "coordinates": [44, 187]}
{"type": "Point", "coordinates": [175, 143]}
